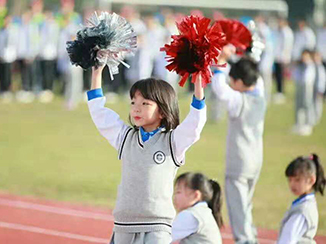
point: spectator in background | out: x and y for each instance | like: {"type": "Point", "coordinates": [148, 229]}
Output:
{"type": "Point", "coordinates": [321, 45]}
{"type": "Point", "coordinates": [171, 29]}
{"type": "Point", "coordinates": [70, 23]}
{"type": "Point", "coordinates": [304, 38]}
{"type": "Point", "coordinates": [8, 39]}
{"type": "Point", "coordinates": [25, 95]}
{"type": "Point", "coordinates": [29, 50]}
{"type": "Point", "coordinates": [141, 64]}
{"type": "Point", "coordinates": [304, 76]}
{"type": "Point", "coordinates": [49, 34]}
{"type": "Point", "coordinates": [319, 86]}
{"type": "Point", "coordinates": [283, 51]}
{"type": "Point", "coordinates": [155, 39]}
{"type": "Point", "coordinates": [267, 57]}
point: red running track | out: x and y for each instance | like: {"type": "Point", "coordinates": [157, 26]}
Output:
{"type": "Point", "coordinates": [25, 220]}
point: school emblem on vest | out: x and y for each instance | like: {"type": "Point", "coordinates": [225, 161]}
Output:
{"type": "Point", "coordinates": [159, 157]}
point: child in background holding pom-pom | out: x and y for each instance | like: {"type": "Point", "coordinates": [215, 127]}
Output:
{"type": "Point", "coordinates": [151, 150]}
{"type": "Point", "coordinates": [305, 177]}
{"type": "Point", "coordinates": [246, 107]}
{"type": "Point", "coordinates": [198, 201]}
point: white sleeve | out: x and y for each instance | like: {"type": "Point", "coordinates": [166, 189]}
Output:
{"type": "Point", "coordinates": [184, 225]}
{"type": "Point", "coordinates": [225, 93]}
{"type": "Point", "coordinates": [293, 229]}
{"type": "Point", "coordinates": [107, 121]}
{"type": "Point", "coordinates": [188, 132]}
{"type": "Point", "coordinates": [322, 79]}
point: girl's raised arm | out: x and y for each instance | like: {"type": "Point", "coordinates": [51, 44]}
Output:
{"type": "Point", "coordinates": [106, 120]}
{"type": "Point", "coordinates": [188, 132]}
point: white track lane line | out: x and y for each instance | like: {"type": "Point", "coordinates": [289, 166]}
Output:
{"type": "Point", "coordinates": [56, 210]}
{"type": "Point", "coordinates": [82, 214]}
{"type": "Point", "coordinates": [52, 232]}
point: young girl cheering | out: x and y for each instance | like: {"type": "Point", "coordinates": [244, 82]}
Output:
{"type": "Point", "coordinates": [305, 177]}
{"type": "Point", "coordinates": [198, 201]}
{"type": "Point", "coordinates": [151, 151]}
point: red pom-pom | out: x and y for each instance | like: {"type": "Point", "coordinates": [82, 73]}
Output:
{"type": "Point", "coordinates": [236, 33]}
{"type": "Point", "coordinates": [195, 48]}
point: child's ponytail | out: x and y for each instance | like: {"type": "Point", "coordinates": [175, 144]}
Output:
{"type": "Point", "coordinates": [320, 184]}
{"type": "Point", "coordinates": [216, 202]}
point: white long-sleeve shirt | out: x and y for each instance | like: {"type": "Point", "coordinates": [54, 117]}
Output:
{"type": "Point", "coordinates": [113, 128]}
{"type": "Point", "coordinates": [184, 225]}
{"type": "Point", "coordinates": [232, 98]}
{"type": "Point", "coordinates": [284, 45]}
{"type": "Point", "coordinates": [305, 39]}
{"type": "Point", "coordinates": [295, 226]}
{"type": "Point", "coordinates": [321, 42]}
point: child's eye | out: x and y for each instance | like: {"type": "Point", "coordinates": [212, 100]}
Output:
{"type": "Point", "coordinates": [132, 103]}
{"type": "Point", "coordinates": [145, 103]}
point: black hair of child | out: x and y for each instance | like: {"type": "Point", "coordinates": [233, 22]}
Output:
{"type": "Point", "coordinates": [306, 166]}
{"type": "Point", "coordinates": [245, 69]}
{"type": "Point", "coordinates": [164, 95]}
{"type": "Point", "coordinates": [210, 190]}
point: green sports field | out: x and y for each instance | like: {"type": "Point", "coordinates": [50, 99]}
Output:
{"type": "Point", "coordinates": [49, 152]}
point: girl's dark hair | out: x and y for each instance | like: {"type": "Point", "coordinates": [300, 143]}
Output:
{"type": "Point", "coordinates": [210, 190]}
{"type": "Point", "coordinates": [164, 95]}
{"type": "Point", "coordinates": [245, 69]}
{"type": "Point", "coordinates": [308, 166]}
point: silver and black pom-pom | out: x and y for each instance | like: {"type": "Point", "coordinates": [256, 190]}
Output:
{"type": "Point", "coordinates": [106, 39]}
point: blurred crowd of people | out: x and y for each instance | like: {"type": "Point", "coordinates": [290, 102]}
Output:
{"type": "Point", "coordinates": [33, 46]}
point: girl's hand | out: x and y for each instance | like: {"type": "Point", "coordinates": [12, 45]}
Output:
{"type": "Point", "coordinates": [199, 90]}
{"type": "Point", "coordinates": [97, 77]}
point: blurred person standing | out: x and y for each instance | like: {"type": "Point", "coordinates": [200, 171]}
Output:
{"type": "Point", "coordinates": [141, 64]}
{"type": "Point", "coordinates": [25, 95]}
{"type": "Point", "coordinates": [283, 51]}
{"type": "Point", "coordinates": [48, 55]}
{"type": "Point", "coordinates": [8, 54]}
{"type": "Point", "coordinates": [72, 76]}
{"type": "Point", "coordinates": [321, 43]}
{"type": "Point", "coordinates": [267, 57]}
{"type": "Point", "coordinates": [155, 38]}
{"type": "Point", "coordinates": [319, 86]}
{"type": "Point", "coordinates": [304, 38]}
{"type": "Point", "coordinates": [304, 76]}
{"type": "Point", "coordinates": [171, 29]}
{"type": "Point", "coordinates": [29, 50]}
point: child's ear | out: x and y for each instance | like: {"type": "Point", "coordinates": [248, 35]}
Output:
{"type": "Point", "coordinates": [312, 179]}
{"type": "Point", "coordinates": [198, 195]}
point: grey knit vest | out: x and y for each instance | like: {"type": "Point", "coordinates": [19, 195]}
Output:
{"type": "Point", "coordinates": [144, 201]}
{"type": "Point", "coordinates": [208, 231]}
{"type": "Point", "coordinates": [309, 210]}
{"type": "Point", "coordinates": [244, 153]}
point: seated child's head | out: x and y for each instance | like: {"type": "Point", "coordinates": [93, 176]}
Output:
{"type": "Point", "coordinates": [244, 74]}
{"type": "Point", "coordinates": [306, 175]}
{"type": "Point", "coordinates": [153, 104]}
{"type": "Point", "coordinates": [191, 188]}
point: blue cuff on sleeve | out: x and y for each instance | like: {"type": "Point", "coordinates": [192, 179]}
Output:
{"type": "Point", "coordinates": [217, 71]}
{"type": "Point", "coordinates": [94, 94]}
{"type": "Point", "coordinates": [198, 104]}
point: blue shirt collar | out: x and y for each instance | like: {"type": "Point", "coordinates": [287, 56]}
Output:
{"type": "Point", "coordinates": [147, 135]}
{"type": "Point", "coordinates": [303, 198]}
